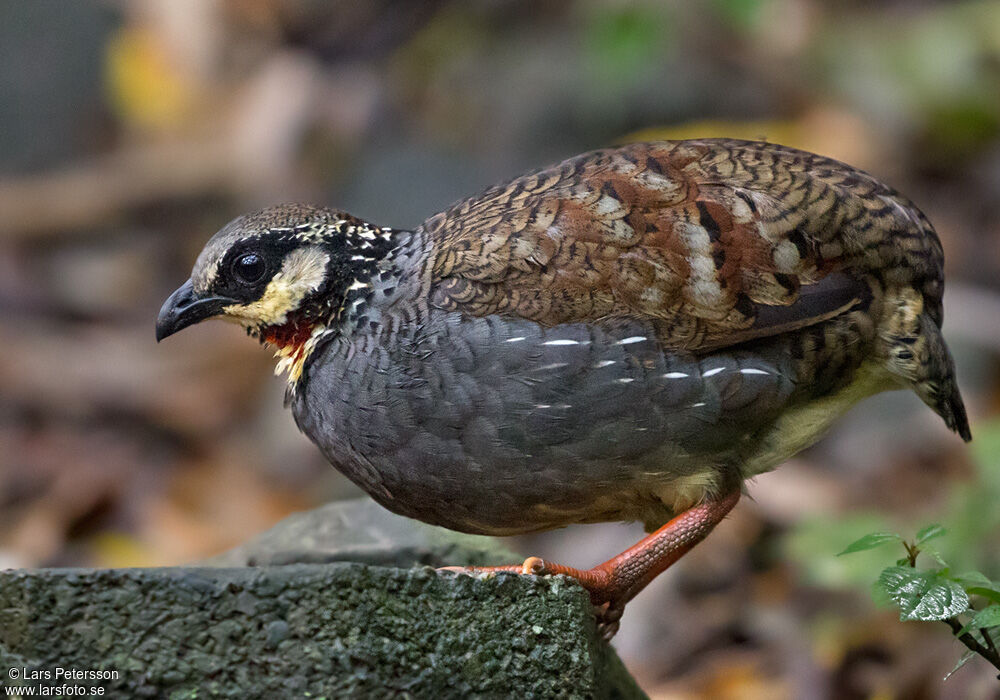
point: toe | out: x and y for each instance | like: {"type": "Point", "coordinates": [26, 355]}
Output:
{"type": "Point", "coordinates": [609, 618]}
{"type": "Point", "coordinates": [452, 569]}
{"type": "Point", "coordinates": [534, 566]}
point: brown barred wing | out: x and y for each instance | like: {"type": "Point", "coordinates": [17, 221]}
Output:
{"type": "Point", "coordinates": [714, 241]}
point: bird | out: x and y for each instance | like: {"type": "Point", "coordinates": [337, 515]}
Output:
{"type": "Point", "coordinates": [629, 335]}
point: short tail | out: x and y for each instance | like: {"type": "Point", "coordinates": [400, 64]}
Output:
{"type": "Point", "coordinates": [952, 409]}
{"type": "Point", "coordinates": [924, 360]}
{"type": "Point", "coordinates": [949, 405]}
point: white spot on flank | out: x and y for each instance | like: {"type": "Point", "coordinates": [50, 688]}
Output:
{"type": "Point", "coordinates": [713, 371]}
{"type": "Point", "coordinates": [675, 375]}
{"type": "Point", "coordinates": [698, 405]}
{"type": "Point", "coordinates": [554, 365]}
{"type": "Point", "coordinates": [355, 304]}
{"type": "Point", "coordinates": [360, 257]}
{"type": "Point", "coordinates": [358, 284]}
{"type": "Point", "coordinates": [625, 380]}
{"type": "Point", "coordinates": [604, 363]}
{"type": "Point", "coordinates": [753, 370]}
{"type": "Point", "coordinates": [518, 339]}
{"type": "Point", "coordinates": [562, 341]}
{"type": "Point", "coordinates": [632, 339]}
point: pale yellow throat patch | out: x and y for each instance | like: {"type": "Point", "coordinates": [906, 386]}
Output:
{"type": "Point", "coordinates": [302, 272]}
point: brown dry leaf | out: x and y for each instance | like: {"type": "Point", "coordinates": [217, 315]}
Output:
{"type": "Point", "coordinates": [70, 472]}
{"type": "Point", "coordinates": [196, 383]}
{"type": "Point", "coordinates": [210, 506]}
{"type": "Point", "coordinates": [729, 677]}
{"type": "Point", "coordinates": [120, 550]}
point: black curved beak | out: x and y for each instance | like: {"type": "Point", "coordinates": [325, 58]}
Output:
{"type": "Point", "coordinates": [184, 308]}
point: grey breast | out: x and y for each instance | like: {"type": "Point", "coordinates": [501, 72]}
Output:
{"type": "Point", "coordinates": [501, 425]}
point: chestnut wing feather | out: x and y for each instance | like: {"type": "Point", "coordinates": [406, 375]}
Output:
{"type": "Point", "coordinates": [714, 241]}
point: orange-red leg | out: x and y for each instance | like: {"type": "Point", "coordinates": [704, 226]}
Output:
{"type": "Point", "coordinates": [615, 582]}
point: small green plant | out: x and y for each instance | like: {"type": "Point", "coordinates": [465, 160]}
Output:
{"type": "Point", "coordinates": [968, 603]}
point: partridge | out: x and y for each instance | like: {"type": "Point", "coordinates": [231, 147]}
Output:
{"type": "Point", "coordinates": [628, 335]}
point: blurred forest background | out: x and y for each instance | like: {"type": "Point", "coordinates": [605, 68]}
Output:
{"type": "Point", "coordinates": [131, 131]}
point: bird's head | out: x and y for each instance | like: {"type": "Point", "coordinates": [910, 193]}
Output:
{"type": "Point", "coordinates": [285, 273]}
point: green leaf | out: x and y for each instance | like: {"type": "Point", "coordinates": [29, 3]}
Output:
{"type": "Point", "coordinates": [987, 617]}
{"type": "Point", "coordinates": [875, 539]}
{"type": "Point", "coordinates": [922, 595]}
{"type": "Point", "coordinates": [972, 578]}
{"type": "Point", "coordinates": [961, 662]}
{"type": "Point", "coordinates": [929, 533]}
{"type": "Point", "coordinates": [986, 592]}
{"type": "Point", "coordinates": [945, 570]}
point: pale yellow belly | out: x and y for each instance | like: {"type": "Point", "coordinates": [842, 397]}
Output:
{"type": "Point", "coordinates": [799, 427]}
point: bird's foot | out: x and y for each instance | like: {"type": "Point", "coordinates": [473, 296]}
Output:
{"type": "Point", "coordinates": [615, 582]}
{"type": "Point", "coordinates": [606, 592]}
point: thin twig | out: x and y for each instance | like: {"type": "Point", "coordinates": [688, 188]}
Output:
{"type": "Point", "coordinates": [973, 644]}
{"type": "Point", "coordinates": [989, 640]}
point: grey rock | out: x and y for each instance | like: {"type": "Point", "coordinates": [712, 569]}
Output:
{"type": "Point", "coordinates": [334, 630]}
{"type": "Point", "coordinates": [362, 531]}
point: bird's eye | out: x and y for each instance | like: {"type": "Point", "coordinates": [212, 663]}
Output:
{"type": "Point", "coordinates": [249, 268]}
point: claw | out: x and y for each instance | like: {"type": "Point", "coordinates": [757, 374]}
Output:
{"type": "Point", "coordinates": [608, 630]}
{"type": "Point", "coordinates": [611, 613]}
